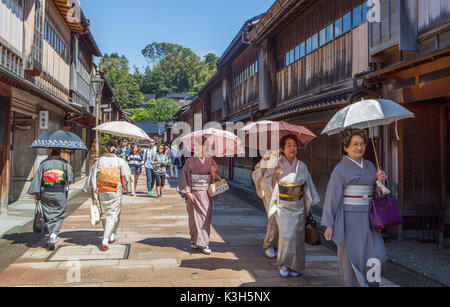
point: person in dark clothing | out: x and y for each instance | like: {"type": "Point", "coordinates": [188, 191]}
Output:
{"type": "Point", "coordinates": [50, 186]}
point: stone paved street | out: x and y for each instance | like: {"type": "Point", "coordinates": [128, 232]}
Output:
{"type": "Point", "coordinates": [153, 250]}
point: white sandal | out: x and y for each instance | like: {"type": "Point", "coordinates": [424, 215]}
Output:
{"type": "Point", "coordinates": [206, 250]}
{"type": "Point", "coordinates": [284, 272]}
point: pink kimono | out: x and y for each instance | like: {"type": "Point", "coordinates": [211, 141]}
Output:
{"type": "Point", "coordinates": [195, 179]}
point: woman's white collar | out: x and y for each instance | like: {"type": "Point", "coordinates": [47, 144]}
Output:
{"type": "Point", "coordinates": [361, 165]}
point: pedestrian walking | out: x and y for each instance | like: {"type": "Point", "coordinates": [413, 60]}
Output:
{"type": "Point", "coordinates": [293, 197]}
{"type": "Point", "coordinates": [50, 186]}
{"type": "Point", "coordinates": [148, 158]}
{"type": "Point", "coordinates": [263, 184]}
{"type": "Point", "coordinates": [160, 162]}
{"type": "Point", "coordinates": [168, 152]}
{"type": "Point", "coordinates": [196, 175]}
{"type": "Point", "coordinates": [176, 161]}
{"type": "Point", "coordinates": [104, 185]}
{"type": "Point", "coordinates": [182, 155]}
{"type": "Point", "coordinates": [124, 150]}
{"type": "Point", "coordinates": [346, 211]}
{"type": "Point", "coordinates": [135, 161]}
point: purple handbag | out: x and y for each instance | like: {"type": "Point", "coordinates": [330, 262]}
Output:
{"type": "Point", "coordinates": [383, 213]}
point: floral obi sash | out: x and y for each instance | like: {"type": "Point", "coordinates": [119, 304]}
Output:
{"type": "Point", "coordinates": [54, 181]}
{"type": "Point", "coordinates": [108, 179]}
{"type": "Point", "coordinates": [292, 192]}
{"type": "Point", "coordinates": [200, 182]}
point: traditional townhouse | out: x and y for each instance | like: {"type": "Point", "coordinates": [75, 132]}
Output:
{"type": "Point", "coordinates": [304, 60]}
{"type": "Point", "coordinates": [41, 43]}
{"type": "Point", "coordinates": [82, 96]}
{"type": "Point", "coordinates": [309, 53]}
{"type": "Point", "coordinates": [410, 52]}
{"type": "Point", "coordinates": [34, 74]}
{"type": "Point", "coordinates": [232, 96]}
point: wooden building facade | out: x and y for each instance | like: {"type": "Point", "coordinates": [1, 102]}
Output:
{"type": "Point", "coordinates": [304, 60]}
{"type": "Point", "coordinates": [412, 60]}
{"type": "Point", "coordinates": [45, 53]}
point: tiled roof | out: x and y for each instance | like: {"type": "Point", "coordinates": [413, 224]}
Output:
{"type": "Point", "coordinates": [310, 105]}
{"type": "Point", "coordinates": [176, 95]}
{"type": "Point", "coordinates": [151, 127]}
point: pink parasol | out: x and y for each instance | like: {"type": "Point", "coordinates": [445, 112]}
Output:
{"type": "Point", "coordinates": [303, 134]}
{"type": "Point", "coordinates": [219, 143]}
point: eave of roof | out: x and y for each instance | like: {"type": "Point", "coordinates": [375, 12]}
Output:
{"type": "Point", "coordinates": [34, 89]}
{"type": "Point", "coordinates": [64, 6]}
{"type": "Point", "coordinates": [312, 105]}
{"type": "Point", "coordinates": [237, 41]}
{"type": "Point", "coordinates": [278, 12]}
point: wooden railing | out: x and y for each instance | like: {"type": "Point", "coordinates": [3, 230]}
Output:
{"type": "Point", "coordinates": [11, 61]}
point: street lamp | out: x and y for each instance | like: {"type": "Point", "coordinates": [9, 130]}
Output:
{"type": "Point", "coordinates": [97, 84]}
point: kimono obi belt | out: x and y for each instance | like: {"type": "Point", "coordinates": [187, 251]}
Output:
{"type": "Point", "coordinates": [358, 195]}
{"type": "Point", "coordinates": [54, 181]}
{"type": "Point", "coordinates": [200, 182]}
{"type": "Point", "coordinates": [291, 192]}
{"type": "Point", "coordinates": [108, 179]}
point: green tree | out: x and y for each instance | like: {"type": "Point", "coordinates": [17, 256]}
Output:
{"type": "Point", "coordinates": [175, 69]}
{"type": "Point", "coordinates": [211, 61]}
{"type": "Point", "coordinates": [139, 114]}
{"type": "Point", "coordinates": [164, 110]}
{"type": "Point", "coordinates": [125, 86]}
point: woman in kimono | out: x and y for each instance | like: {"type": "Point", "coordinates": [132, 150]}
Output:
{"type": "Point", "coordinates": [294, 194]}
{"type": "Point", "coordinates": [104, 185]}
{"type": "Point", "coordinates": [263, 184]}
{"type": "Point", "coordinates": [50, 186]}
{"type": "Point", "coordinates": [196, 176]}
{"type": "Point", "coordinates": [346, 212]}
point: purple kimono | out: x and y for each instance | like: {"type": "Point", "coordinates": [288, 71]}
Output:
{"type": "Point", "coordinates": [195, 178]}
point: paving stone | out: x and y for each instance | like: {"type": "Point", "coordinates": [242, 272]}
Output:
{"type": "Point", "coordinates": [159, 254]}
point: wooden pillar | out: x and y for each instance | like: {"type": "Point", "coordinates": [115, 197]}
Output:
{"type": "Point", "coordinates": [226, 91]}
{"type": "Point", "coordinates": [398, 166]}
{"type": "Point", "coordinates": [444, 173]}
{"type": "Point", "coordinates": [266, 73]}
{"type": "Point", "coordinates": [5, 108]}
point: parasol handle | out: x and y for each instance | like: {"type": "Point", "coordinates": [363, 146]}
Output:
{"type": "Point", "coordinates": [374, 149]}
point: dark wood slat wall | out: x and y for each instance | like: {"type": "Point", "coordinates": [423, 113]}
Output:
{"type": "Point", "coordinates": [328, 65]}
{"type": "Point", "coordinates": [248, 91]}
{"type": "Point", "coordinates": [422, 162]}
{"type": "Point", "coordinates": [321, 157]}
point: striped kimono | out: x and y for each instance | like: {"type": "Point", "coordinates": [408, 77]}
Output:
{"type": "Point", "coordinates": [346, 211]}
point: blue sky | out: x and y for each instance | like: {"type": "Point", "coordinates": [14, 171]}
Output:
{"type": "Point", "coordinates": [204, 26]}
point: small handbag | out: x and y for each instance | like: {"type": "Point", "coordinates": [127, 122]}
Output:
{"type": "Point", "coordinates": [39, 224]}
{"type": "Point", "coordinates": [218, 187]}
{"type": "Point", "coordinates": [384, 212]}
{"type": "Point", "coordinates": [312, 236]}
{"type": "Point", "coordinates": [95, 213]}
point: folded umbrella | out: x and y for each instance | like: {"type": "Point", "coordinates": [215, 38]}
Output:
{"type": "Point", "coordinates": [123, 129]}
{"type": "Point", "coordinates": [59, 139]}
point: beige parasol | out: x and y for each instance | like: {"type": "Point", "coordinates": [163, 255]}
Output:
{"type": "Point", "coordinates": [123, 129]}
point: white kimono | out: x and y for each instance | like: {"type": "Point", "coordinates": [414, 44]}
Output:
{"type": "Point", "coordinates": [263, 184]}
{"type": "Point", "coordinates": [110, 202]}
{"type": "Point", "coordinates": [293, 196]}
